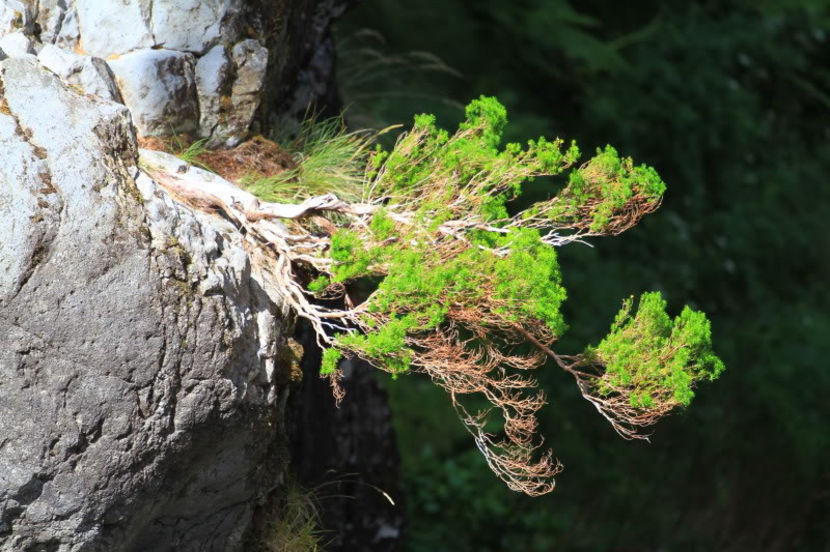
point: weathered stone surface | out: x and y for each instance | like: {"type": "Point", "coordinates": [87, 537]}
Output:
{"type": "Point", "coordinates": [230, 88]}
{"type": "Point", "coordinates": [16, 44]}
{"type": "Point", "coordinates": [91, 74]}
{"type": "Point", "coordinates": [250, 60]}
{"type": "Point", "coordinates": [183, 25]}
{"type": "Point", "coordinates": [146, 41]}
{"type": "Point", "coordinates": [50, 16]}
{"type": "Point", "coordinates": [111, 28]}
{"type": "Point", "coordinates": [15, 15]}
{"type": "Point", "coordinates": [192, 25]}
{"type": "Point", "coordinates": [213, 83]}
{"type": "Point", "coordinates": [138, 407]}
{"type": "Point", "coordinates": [151, 48]}
{"type": "Point", "coordinates": [68, 35]}
{"type": "Point", "coordinates": [159, 88]}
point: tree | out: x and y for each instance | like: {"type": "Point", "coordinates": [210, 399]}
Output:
{"type": "Point", "coordinates": [465, 291]}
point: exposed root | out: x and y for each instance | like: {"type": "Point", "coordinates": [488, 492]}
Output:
{"type": "Point", "coordinates": [477, 345]}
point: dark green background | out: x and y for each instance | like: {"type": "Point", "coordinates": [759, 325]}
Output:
{"type": "Point", "coordinates": [730, 101]}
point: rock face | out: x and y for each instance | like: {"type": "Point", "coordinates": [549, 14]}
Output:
{"type": "Point", "coordinates": [91, 75]}
{"type": "Point", "coordinates": [226, 47]}
{"type": "Point", "coordinates": [159, 88]}
{"type": "Point", "coordinates": [305, 79]}
{"type": "Point", "coordinates": [138, 401]}
{"type": "Point", "coordinates": [352, 455]}
{"type": "Point", "coordinates": [153, 48]}
{"type": "Point", "coordinates": [143, 382]}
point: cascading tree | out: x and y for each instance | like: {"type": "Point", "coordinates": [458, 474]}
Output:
{"type": "Point", "coordinates": [470, 294]}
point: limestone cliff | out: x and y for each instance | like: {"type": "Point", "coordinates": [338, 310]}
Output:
{"type": "Point", "coordinates": [143, 383]}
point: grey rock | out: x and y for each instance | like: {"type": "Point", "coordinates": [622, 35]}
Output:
{"type": "Point", "coordinates": [159, 88]}
{"type": "Point", "coordinates": [92, 75]}
{"type": "Point", "coordinates": [137, 411]}
{"type": "Point", "coordinates": [112, 28]}
{"type": "Point", "coordinates": [213, 83]}
{"type": "Point", "coordinates": [230, 89]}
{"type": "Point", "coordinates": [184, 25]}
{"type": "Point", "coordinates": [50, 17]}
{"type": "Point", "coordinates": [16, 44]}
{"type": "Point", "coordinates": [192, 25]}
{"type": "Point", "coordinates": [68, 36]}
{"type": "Point", "coordinates": [15, 15]}
{"type": "Point", "coordinates": [250, 59]}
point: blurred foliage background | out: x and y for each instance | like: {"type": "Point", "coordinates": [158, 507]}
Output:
{"type": "Point", "coordinates": [730, 101]}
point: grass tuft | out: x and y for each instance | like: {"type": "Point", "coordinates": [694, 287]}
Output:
{"type": "Point", "coordinates": [327, 159]}
{"type": "Point", "coordinates": [298, 526]}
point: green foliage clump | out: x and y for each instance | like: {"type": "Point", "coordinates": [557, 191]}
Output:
{"type": "Point", "coordinates": [528, 281]}
{"type": "Point", "coordinates": [351, 259]}
{"type": "Point", "coordinates": [487, 117]}
{"type": "Point", "coordinates": [503, 265]}
{"type": "Point", "coordinates": [319, 284]}
{"type": "Point", "coordinates": [461, 285]}
{"type": "Point", "coordinates": [603, 187]}
{"type": "Point", "coordinates": [331, 357]}
{"type": "Point", "coordinates": [421, 286]}
{"type": "Point", "coordinates": [602, 196]}
{"type": "Point", "coordinates": [655, 359]}
{"type": "Point", "coordinates": [428, 159]}
{"type": "Point", "coordinates": [386, 344]}
{"type": "Point", "coordinates": [382, 226]}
